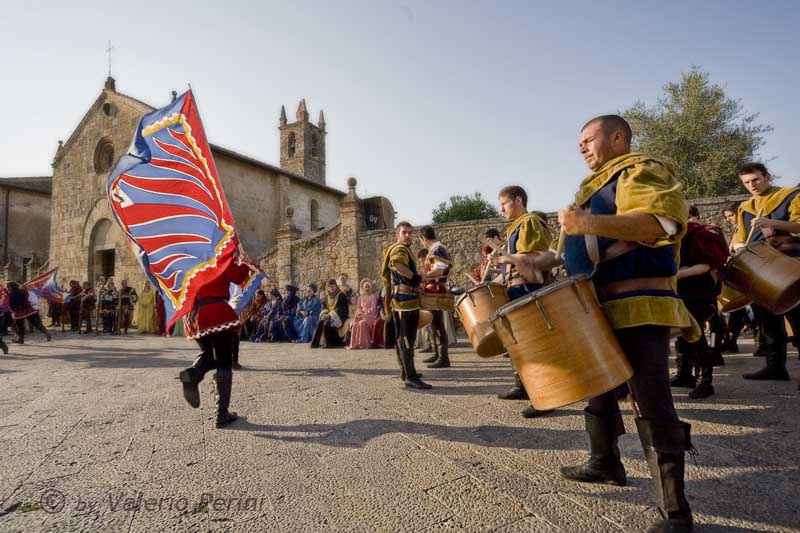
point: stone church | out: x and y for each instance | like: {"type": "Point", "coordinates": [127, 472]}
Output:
{"type": "Point", "coordinates": [84, 240]}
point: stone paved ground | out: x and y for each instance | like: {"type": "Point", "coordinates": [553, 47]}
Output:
{"type": "Point", "coordinates": [95, 436]}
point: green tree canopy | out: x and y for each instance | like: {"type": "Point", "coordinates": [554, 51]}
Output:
{"type": "Point", "coordinates": [705, 134]}
{"type": "Point", "coordinates": [464, 208]}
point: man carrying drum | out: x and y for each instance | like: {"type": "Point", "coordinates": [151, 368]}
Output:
{"type": "Point", "coordinates": [772, 214]}
{"type": "Point", "coordinates": [434, 277]}
{"type": "Point", "coordinates": [626, 230]}
{"type": "Point", "coordinates": [528, 234]}
{"type": "Point", "coordinates": [401, 281]}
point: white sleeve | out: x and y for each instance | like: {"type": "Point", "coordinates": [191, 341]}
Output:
{"type": "Point", "coordinates": [669, 225]}
{"type": "Point", "coordinates": [438, 265]}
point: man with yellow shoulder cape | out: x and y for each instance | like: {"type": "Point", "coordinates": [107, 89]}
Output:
{"type": "Point", "coordinates": [402, 283]}
{"type": "Point", "coordinates": [625, 230]}
{"type": "Point", "coordinates": [527, 235]}
{"type": "Point", "coordinates": [771, 214]}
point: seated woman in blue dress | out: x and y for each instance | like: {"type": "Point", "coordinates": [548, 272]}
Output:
{"type": "Point", "coordinates": [307, 315]}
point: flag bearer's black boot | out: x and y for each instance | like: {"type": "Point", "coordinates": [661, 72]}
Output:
{"type": "Point", "coordinates": [517, 392]}
{"type": "Point", "coordinates": [223, 379]}
{"type": "Point", "coordinates": [412, 379]}
{"type": "Point", "coordinates": [665, 445]}
{"type": "Point", "coordinates": [604, 464]}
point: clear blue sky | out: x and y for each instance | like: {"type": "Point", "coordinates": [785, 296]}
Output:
{"type": "Point", "coordinates": [422, 99]}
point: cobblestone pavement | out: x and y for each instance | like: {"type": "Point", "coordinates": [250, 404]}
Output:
{"type": "Point", "coordinates": [95, 436]}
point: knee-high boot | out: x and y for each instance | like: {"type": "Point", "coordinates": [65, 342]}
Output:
{"type": "Point", "coordinates": [412, 379]}
{"type": "Point", "coordinates": [684, 352]}
{"type": "Point", "coordinates": [442, 353]}
{"type": "Point", "coordinates": [604, 464]}
{"type": "Point", "coordinates": [223, 379]}
{"type": "Point", "coordinates": [665, 445]}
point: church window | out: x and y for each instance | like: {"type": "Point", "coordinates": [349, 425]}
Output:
{"type": "Point", "coordinates": [291, 144]}
{"type": "Point", "coordinates": [109, 109]}
{"type": "Point", "coordinates": [314, 215]}
{"type": "Point", "coordinates": [104, 156]}
{"type": "Point", "coordinates": [314, 145]}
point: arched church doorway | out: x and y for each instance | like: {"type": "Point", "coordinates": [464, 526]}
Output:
{"type": "Point", "coordinates": [102, 252]}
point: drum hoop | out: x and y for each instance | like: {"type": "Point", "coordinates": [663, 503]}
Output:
{"type": "Point", "coordinates": [535, 295]}
{"type": "Point", "coordinates": [469, 291]}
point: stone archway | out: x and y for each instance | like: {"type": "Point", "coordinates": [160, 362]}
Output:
{"type": "Point", "coordinates": [102, 250]}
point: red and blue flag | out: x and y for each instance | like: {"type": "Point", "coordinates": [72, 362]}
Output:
{"type": "Point", "coordinates": [46, 286]}
{"type": "Point", "coordinates": [167, 197]}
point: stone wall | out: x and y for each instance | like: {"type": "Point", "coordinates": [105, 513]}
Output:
{"type": "Point", "coordinates": [327, 254]}
{"type": "Point", "coordinates": [24, 228]}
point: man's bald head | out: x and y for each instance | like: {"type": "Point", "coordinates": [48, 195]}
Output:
{"type": "Point", "coordinates": [604, 138]}
{"type": "Point", "coordinates": [611, 124]}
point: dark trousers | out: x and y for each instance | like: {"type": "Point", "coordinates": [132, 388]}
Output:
{"type": "Point", "coordinates": [405, 325]}
{"type": "Point", "coordinates": [773, 337]}
{"type": "Point", "coordinates": [736, 323]}
{"type": "Point", "coordinates": [34, 322]}
{"type": "Point", "coordinates": [698, 352]}
{"type": "Point", "coordinates": [438, 327]}
{"type": "Point", "coordinates": [74, 317]}
{"type": "Point", "coordinates": [647, 350]}
{"type": "Point", "coordinates": [330, 333]}
{"type": "Point", "coordinates": [217, 353]}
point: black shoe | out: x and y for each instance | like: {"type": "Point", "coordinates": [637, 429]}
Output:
{"type": "Point", "coordinates": [18, 340]}
{"type": "Point", "coordinates": [223, 419]}
{"type": "Point", "coordinates": [514, 393]}
{"type": "Point", "coordinates": [416, 383]}
{"type": "Point", "coordinates": [769, 373]}
{"type": "Point", "coordinates": [236, 366]}
{"type": "Point", "coordinates": [674, 524]}
{"type": "Point", "coordinates": [703, 390]}
{"type": "Point", "coordinates": [604, 465]}
{"type": "Point", "coordinates": [760, 352]}
{"type": "Point", "coordinates": [730, 347]}
{"type": "Point", "coordinates": [191, 391]}
{"type": "Point", "coordinates": [532, 412]}
{"type": "Point", "coordinates": [3, 347]}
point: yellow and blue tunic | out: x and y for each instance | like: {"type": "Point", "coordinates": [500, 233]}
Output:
{"type": "Point", "coordinates": [777, 203]}
{"type": "Point", "coordinates": [394, 255]}
{"type": "Point", "coordinates": [631, 184]}
{"type": "Point", "coordinates": [527, 234]}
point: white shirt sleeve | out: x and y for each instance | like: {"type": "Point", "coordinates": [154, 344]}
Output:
{"type": "Point", "coordinates": [669, 225]}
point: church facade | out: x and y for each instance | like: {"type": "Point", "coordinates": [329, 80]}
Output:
{"type": "Point", "coordinates": [86, 243]}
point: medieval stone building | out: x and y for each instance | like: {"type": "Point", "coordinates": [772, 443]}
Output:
{"type": "Point", "coordinates": [77, 232]}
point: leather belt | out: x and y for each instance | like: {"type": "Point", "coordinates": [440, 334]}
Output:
{"type": "Point", "coordinates": [637, 284]}
{"type": "Point", "coordinates": [404, 289]}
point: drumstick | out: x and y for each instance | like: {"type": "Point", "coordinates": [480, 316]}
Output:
{"type": "Point", "coordinates": [753, 228]}
{"type": "Point", "coordinates": [562, 237]}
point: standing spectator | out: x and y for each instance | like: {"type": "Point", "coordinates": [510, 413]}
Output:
{"type": "Point", "coordinates": [146, 310]}
{"type": "Point", "coordinates": [365, 317]}
{"type": "Point", "coordinates": [127, 301]}
{"type": "Point", "coordinates": [161, 314]}
{"type": "Point", "coordinates": [88, 302]}
{"type": "Point", "coordinates": [22, 310]}
{"type": "Point", "coordinates": [73, 305]}
{"type": "Point", "coordinates": [109, 301]}
{"type": "Point", "coordinates": [308, 311]}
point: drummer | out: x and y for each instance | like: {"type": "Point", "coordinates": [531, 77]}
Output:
{"type": "Point", "coordinates": [634, 211]}
{"type": "Point", "coordinates": [437, 266]}
{"type": "Point", "coordinates": [401, 281]}
{"type": "Point", "coordinates": [528, 234]}
{"type": "Point", "coordinates": [773, 215]}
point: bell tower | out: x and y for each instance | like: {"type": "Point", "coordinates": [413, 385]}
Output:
{"type": "Point", "coordinates": [303, 144]}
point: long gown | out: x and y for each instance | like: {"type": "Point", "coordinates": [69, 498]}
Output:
{"type": "Point", "coordinates": [146, 312]}
{"type": "Point", "coordinates": [364, 322]}
{"type": "Point", "coordinates": [305, 325]}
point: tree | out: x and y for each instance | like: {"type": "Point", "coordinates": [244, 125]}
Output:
{"type": "Point", "coordinates": [464, 208]}
{"type": "Point", "coordinates": [705, 134]}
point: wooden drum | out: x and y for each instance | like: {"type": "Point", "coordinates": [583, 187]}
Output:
{"type": "Point", "coordinates": [561, 344]}
{"type": "Point", "coordinates": [730, 299]}
{"type": "Point", "coordinates": [474, 308]}
{"type": "Point", "coordinates": [436, 301]}
{"type": "Point", "coordinates": [770, 278]}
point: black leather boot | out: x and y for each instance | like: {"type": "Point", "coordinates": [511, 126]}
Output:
{"type": "Point", "coordinates": [223, 379]}
{"type": "Point", "coordinates": [665, 445]}
{"type": "Point", "coordinates": [412, 379]}
{"type": "Point", "coordinates": [775, 369]}
{"type": "Point", "coordinates": [604, 464]}
{"type": "Point", "coordinates": [442, 356]}
{"type": "Point", "coordinates": [517, 392]}
{"type": "Point", "coordinates": [683, 359]}
{"type": "Point", "coordinates": [532, 412]}
{"type": "Point", "coordinates": [3, 347]}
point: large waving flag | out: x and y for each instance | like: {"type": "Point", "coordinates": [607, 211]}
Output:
{"type": "Point", "coordinates": [167, 197]}
{"type": "Point", "coordinates": [46, 286]}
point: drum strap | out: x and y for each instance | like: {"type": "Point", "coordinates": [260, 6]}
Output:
{"type": "Point", "coordinates": [616, 249]}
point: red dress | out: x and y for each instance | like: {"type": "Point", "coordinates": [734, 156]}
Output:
{"type": "Point", "coordinates": [212, 313]}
